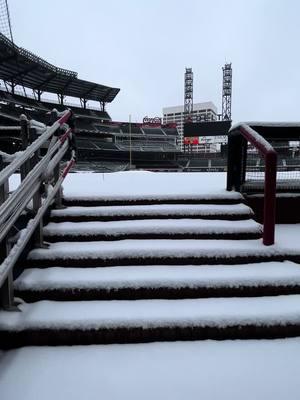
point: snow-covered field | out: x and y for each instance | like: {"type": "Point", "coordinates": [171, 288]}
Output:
{"type": "Point", "coordinates": [141, 184]}
{"type": "Point", "coordinates": [208, 370]}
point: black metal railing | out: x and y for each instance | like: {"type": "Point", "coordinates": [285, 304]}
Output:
{"type": "Point", "coordinates": [238, 139]}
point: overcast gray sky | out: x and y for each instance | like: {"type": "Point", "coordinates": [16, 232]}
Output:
{"type": "Point", "coordinates": [143, 48]}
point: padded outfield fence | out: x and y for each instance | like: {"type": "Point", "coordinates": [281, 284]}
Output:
{"type": "Point", "coordinates": [288, 166]}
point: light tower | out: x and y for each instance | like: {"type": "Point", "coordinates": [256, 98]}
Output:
{"type": "Point", "coordinates": [227, 92]}
{"type": "Point", "coordinates": [5, 24]}
{"type": "Point", "coordinates": [188, 99]}
{"type": "Point", "coordinates": [188, 93]}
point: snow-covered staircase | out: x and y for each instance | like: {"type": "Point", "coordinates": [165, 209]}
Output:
{"type": "Point", "coordinates": [151, 270]}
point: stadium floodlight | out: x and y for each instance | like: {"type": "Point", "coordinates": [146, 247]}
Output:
{"type": "Point", "coordinates": [227, 92]}
{"type": "Point", "coordinates": [5, 24]}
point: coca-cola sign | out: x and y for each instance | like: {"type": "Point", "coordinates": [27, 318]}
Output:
{"type": "Point", "coordinates": [155, 120]}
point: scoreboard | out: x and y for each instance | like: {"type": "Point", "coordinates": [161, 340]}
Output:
{"type": "Point", "coordinates": [211, 128]}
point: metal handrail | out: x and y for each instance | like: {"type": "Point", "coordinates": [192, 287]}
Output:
{"type": "Point", "coordinates": [38, 171]}
{"type": "Point", "coordinates": [26, 184]}
{"type": "Point", "coordinates": [12, 167]}
{"type": "Point", "coordinates": [236, 171]}
{"type": "Point", "coordinates": [27, 233]}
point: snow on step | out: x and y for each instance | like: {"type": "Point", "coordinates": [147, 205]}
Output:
{"type": "Point", "coordinates": [222, 312]}
{"type": "Point", "coordinates": [210, 370]}
{"type": "Point", "coordinates": [155, 248]}
{"type": "Point", "coordinates": [169, 226]}
{"type": "Point", "coordinates": [156, 276]}
{"type": "Point", "coordinates": [155, 209]}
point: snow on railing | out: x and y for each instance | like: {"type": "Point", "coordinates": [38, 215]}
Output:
{"type": "Point", "coordinates": [37, 173]}
{"type": "Point", "coordinates": [238, 137]}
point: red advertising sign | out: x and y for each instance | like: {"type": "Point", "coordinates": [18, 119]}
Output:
{"type": "Point", "coordinates": [191, 140]}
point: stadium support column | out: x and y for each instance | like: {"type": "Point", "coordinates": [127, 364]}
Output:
{"type": "Point", "coordinates": [188, 95]}
{"type": "Point", "coordinates": [102, 106]}
{"type": "Point", "coordinates": [227, 92]}
{"type": "Point", "coordinates": [61, 99]}
{"type": "Point", "coordinates": [38, 92]}
{"type": "Point", "coordinates": [83, 102]}
{"type": "Point", "coordinates": [10, 84]}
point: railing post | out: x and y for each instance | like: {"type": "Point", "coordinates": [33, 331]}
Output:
{"type": "Point", "coordinates": [6, 290]}
{"type": "Point", "coordinates": [37, 198]}
{"type": "Point", "coordinates": [53, 116]}
{"type": "Point", "coordinates": [270, 198]}
{"type": "Point", "coordinates": [230, 163]}
{"type": "Point", "coordinates": [235, 157]}
{"type": "Point", "coordinates": [58, 196]}
{"type": "Point", "coordinates": [38, 234]}
{"type": "Point", "coordinates": [25, 168]}
{"type": "Point", "coordinates": [7, 293]}
{"type": "Point", "coordinates": [244, 160]}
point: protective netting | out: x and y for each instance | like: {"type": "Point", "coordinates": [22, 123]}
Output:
{"type": "Point", "coordinates": [5, 24]}
{"type": "Point", "coordinates": [288, 165]}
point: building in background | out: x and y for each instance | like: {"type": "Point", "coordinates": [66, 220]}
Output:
{"type": "Point", "coordinates": [206, 111]}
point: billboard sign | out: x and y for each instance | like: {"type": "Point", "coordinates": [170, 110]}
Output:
{"type": "Point", "coordinates": [211, 128]}
{"type": "Point", "coordinates": [190, 140]}
{"type": "Point", "coordinates": [152, 121]}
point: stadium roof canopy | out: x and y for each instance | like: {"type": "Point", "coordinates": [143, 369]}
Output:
{"type": "Point", "coordinates": [24, 68]}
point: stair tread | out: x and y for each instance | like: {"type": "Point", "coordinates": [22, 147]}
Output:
{"type": "Point", "coordinates": [155, 276]}
{"type": "Point", "coordinates": [148, 314]}
{"type": "Point", "coordinates": [159, 248]}
{"type": "Point", "coordinates": [218, 195]}
{"type": "Point", "coordinates": [154, 209]}
{"type": "Point", "coordinates": [151, 226]}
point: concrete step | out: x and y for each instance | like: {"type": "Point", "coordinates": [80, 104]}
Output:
{"type": "Point", "coordinates": [153, 211]}
{"type": "Point", "coordinates": [152, 229]}
{"type": "Point", "coordinates": [92, 322]}
{"type": "Point", "coordinates": [156, 252]}
{"type": "Point", "coordinates": [208, 198]}
{"type": "Point", "coordinates": [158, 282]}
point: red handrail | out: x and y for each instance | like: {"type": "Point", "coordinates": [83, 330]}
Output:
{"type": "Point", "coordinates": [270, 156]}
{"type": "Point", "coordinates": [64, 118]}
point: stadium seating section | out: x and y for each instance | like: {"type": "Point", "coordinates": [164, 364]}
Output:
{"type": "Point", "coordinates": [198, 162]}
{"type": "Point", "coordinates": [293, 161]}
{"type": "Point", "coordinates": [29, 105]}
{"type": "Point", "coordinates": [98, 136]}
{"type": "Point", "coordinates": [94, 128]}
{"type": "Point", "coordinates": [134, 129]}
{"type": "Point", "coordinates": [153, 131]}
